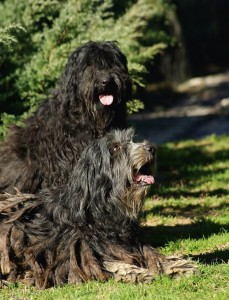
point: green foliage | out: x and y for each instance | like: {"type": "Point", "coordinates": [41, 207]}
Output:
{"type": "Point", "coordinates": [9, 119]}
{"type": "Point", "coordinates": [134, 106]}
{"type": "Point", "coordinates": [6, 34]}
{"type": "Point", "coordinates": [54, 28]}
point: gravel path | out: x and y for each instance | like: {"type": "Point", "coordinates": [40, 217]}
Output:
{"type": "Point", "coordinates": [203, 112]}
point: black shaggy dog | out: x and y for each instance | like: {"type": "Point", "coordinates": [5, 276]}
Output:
{"type": "Point", "coordinates": [90, 100]}
{"type": "Point", "coordinates": [87, 229]}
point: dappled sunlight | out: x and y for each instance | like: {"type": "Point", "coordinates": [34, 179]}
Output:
{"type": "Point", "coordinates": [187, 210]}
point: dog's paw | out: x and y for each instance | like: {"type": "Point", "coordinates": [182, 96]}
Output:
{"type": "Point", "coordinates": [176, 266]}
{"type": "Point", "coordinates": [128, 273]}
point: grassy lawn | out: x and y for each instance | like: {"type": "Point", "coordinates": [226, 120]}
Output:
{"type": "Point", "coordinates": [187, 213]}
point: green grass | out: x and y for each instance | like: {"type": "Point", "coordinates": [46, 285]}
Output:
{"type": "Point", "coordinates": [187, 213]}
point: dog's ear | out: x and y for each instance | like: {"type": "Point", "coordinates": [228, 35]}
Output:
{"type": "Point", "coordinates": [92, 180]}
{"type": "Point", "coordinates": [121, 136]}
{"type": "Point", "coordinates": [72, 69]}
{"type": "Point", "coordinates": [93, 170]}
{"type": "Point", "coordinates": [130, 133]}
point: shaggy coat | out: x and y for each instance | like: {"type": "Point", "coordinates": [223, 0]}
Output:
{"type": "Point", "coordinates": [87, 229]}
{"type": "Point", "coordinates": [90, 100]}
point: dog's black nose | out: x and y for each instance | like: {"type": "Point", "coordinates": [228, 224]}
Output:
{"type": "Point", "coordinates": [151, 148]}
{"type": "Point", "coordinates": [104, 82]}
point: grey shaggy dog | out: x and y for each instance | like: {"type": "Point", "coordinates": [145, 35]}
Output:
{"type": "Point", "coordinates": [87, 229]}
{"type": "Point", "coordinates": [90, 100]}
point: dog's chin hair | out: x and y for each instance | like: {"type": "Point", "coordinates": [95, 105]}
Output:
{"type": "Point", "coordinates": [134, 200]}
{"type": "Point", "coordinates": [101, 119]}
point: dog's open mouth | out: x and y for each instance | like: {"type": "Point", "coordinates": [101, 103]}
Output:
{"type": "Point", "coordinates": [143, 177]}
{"type": "Point", "coordinates": [106, 100]}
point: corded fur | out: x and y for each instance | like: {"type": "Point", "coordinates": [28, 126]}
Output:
{"type": "Point", "coordinates": [87, 229]}
{"type": "Point", "coordinates": [43, 152]}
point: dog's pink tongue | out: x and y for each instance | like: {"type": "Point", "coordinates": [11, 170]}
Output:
{"type": "Point", "coordinates": [106, 99]}
{"type": "Point", "coordinates": [145, 178]}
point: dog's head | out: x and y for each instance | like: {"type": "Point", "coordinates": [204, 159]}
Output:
{"type": "Point", "coordinates": [114, 173]}
{"type": "Point", "coordinates": [97, 74]}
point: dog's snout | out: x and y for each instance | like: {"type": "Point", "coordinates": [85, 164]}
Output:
{"type": "Point", "coordinates": [151, 148]}
{"type": "Point", "coordinates": [104, 82]}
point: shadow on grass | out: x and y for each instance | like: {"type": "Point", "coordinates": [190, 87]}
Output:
{"type": "Point", "coordinates": [186, 166]}
{"type": "Point", "coordinates": [159, 236]}
{"type": "Point", "coordinates": [190, 210]}
{"type": "Point", "coordinates": [215, 257]}
{"type": "Point", "coordinates": [182, 169]}
{"type": "Point", "coordinates": [181, 193]}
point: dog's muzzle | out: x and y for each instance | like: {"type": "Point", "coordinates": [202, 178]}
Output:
{"type": "Point", "coordinates": [142, 175]}
{"type": "Point", "coordinates": [107, 90]}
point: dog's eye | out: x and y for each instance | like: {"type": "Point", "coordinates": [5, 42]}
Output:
{"type": "Point", "coordinates": [117, 148]}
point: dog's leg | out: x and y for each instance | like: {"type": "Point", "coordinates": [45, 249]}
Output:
{"type": "Point", "coordinates": [154, 265]}
{"type": "Point", "coordinates": [174, 266]}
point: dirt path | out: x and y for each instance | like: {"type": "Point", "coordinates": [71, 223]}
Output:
{"type": "Point", "coordinates": [202, 112]}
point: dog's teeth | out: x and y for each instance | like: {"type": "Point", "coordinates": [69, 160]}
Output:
{"type": "Point", "coordinates": [148, 179]}
{"type": "Point", "coordinates": [143, 178]}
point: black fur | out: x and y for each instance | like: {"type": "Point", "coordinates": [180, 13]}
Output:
{"type": "Point", "coordinates": [43, 152]}
{"type": "Point", "coordinates": [88, 229]}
